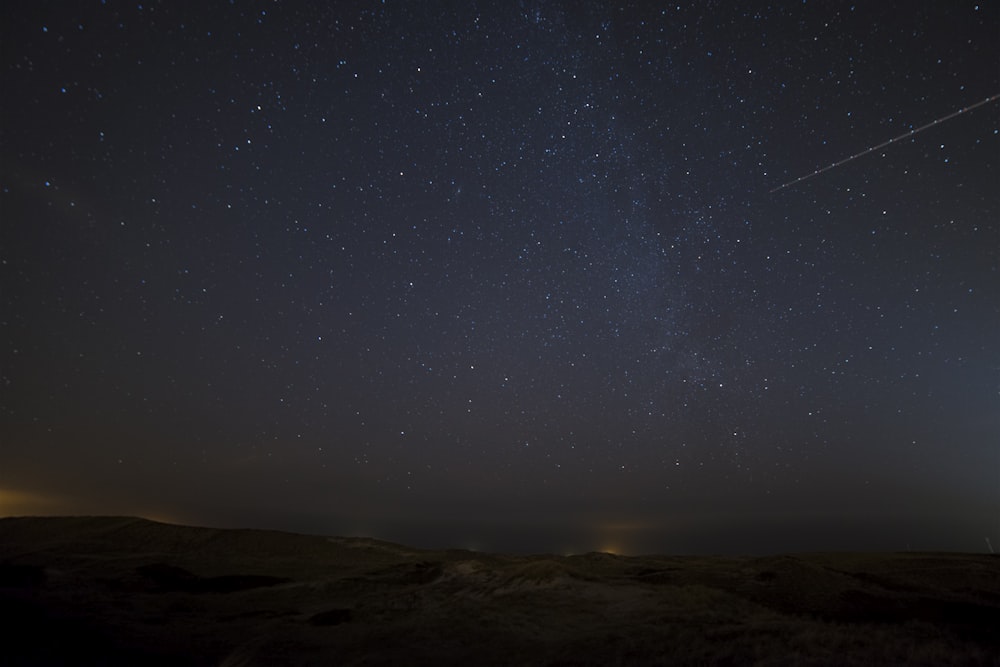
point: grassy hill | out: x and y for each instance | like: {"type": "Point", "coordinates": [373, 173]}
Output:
{"type": "Point", "coordinates": [124, 591]}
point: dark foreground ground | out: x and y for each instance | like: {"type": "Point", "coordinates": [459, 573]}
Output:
{"type": "Point", "coordinates": [126, 591]}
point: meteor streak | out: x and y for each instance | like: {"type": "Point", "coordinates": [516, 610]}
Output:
{"type": "Point", "coordinates": [886, 143]}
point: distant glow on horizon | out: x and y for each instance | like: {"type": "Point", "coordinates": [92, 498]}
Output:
{"type": "Point", "coordinates": [17, 502]}
{"type": "Point", "coordinates": [621, 537]}
{"type": "Point", "coordinates": [26, 503]}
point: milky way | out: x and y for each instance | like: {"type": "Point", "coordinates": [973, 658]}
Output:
{"type": "Point", "coordinates": [505, 273]}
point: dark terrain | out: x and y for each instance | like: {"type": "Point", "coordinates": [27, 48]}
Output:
{"type": "Point", "coordinates": [127, 591]}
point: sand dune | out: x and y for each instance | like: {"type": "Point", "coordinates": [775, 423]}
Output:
{"type": "Point", "coordinates": [125, 591]}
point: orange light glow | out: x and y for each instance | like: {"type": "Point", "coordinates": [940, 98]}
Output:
{"type": "Point", "coordinates": [24, 503]}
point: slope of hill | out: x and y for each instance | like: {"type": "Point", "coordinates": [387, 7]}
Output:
{"type": "Point", "coordinates": [123, 591]}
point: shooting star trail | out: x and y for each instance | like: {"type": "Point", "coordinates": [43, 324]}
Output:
{"type": "Point", "coordinates": [886, 143]}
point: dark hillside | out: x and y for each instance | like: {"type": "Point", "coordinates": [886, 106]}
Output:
{"type": "Point", "coordinates": [123, 591]}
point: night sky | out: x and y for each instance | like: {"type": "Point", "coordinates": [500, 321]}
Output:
{"type": "Point", "coordinates": [506, 275]}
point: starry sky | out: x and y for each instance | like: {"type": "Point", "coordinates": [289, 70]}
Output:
{"type": "Point", "coordinates": [506, 275]}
